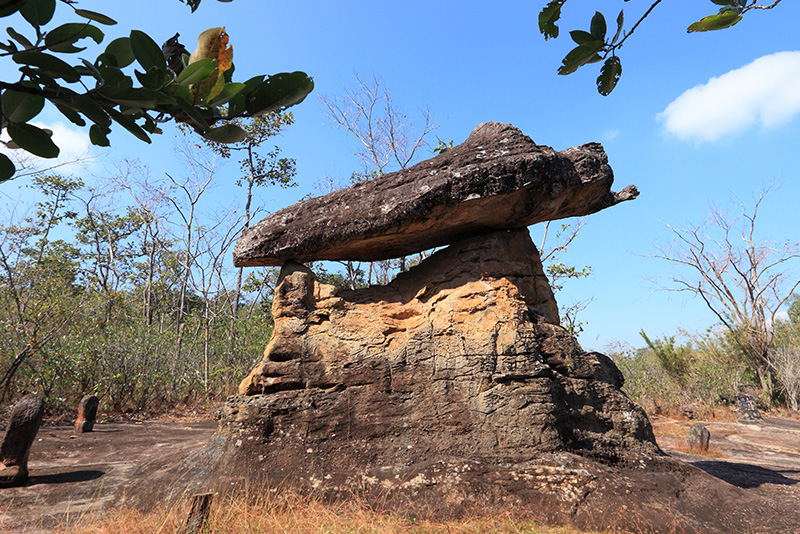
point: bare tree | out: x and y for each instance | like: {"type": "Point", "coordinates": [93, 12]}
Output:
{"type": "Point", "coordinates": [151, 201]}
{"type": "Point", "coordinates": [389, 139]}
{"type": "Point", "coordinates": [743, 279]}
{"type": "Point", "coordinates": [189, 192]}
{"type": "Point", "coordinates": [257, 168]}
{"type": "Point", "coordinates": [553, 244]}
{"type": "Point", "coordinates": [208, 276]}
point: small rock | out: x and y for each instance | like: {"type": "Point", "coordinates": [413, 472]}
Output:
{"type": "Point", "coordinates": [87, 413]}
{"type": "Point", "coordinates": [699, 437]}
{"type": "Point", "coordinates": [26, 417]}
{"type": "Point", "coordinates": [747, 409]}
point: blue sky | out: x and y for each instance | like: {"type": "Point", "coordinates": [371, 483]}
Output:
{"type": "Point", "coordinates": [472, 62]}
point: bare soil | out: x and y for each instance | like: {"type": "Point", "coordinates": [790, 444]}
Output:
{"type": "Point", "coordinates": [73, 475]}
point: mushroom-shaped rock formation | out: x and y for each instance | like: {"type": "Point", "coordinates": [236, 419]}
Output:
{"type": "Point", "coordinates": [497, 179]}
{"type": "Point", "coordinates": [453, 388]}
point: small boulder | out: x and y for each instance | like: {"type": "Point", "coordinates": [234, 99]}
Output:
{"type": "Point", "coordinates": [87, 413]}
{"type": "Point", "coordinates": [699, 437]}
{"type": "Point", "coordinates": [747, 409]}
{"type": "Point", "coordinates": [26, 417]}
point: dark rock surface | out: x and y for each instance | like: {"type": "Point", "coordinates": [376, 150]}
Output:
{"type": "Point", "coordinates": [497, 179]}
{"type": "Point", "coordinates": [26, 417]}
{"type": "Point", "coordinates": [87, 413]}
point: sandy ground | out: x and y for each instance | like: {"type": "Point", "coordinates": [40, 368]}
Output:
{"type": "Point", "coordinates": [72, 475]}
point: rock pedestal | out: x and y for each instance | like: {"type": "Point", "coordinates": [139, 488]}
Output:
{"type": "Point", "coordinates": [15, 449]}
{"type": "Point", "coordinates": [459, 358]}
{"type": "Point", "coordinates": [453, 389]}
{"type": "Point", "coordinates": [87, 413]}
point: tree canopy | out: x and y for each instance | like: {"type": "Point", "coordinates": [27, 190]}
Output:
{"type": "Point", "coordinates": [596, 44]}
{"type": "Point", "coordinates": [166, 82]}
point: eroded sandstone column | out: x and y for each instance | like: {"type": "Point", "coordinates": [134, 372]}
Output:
{"type": "Point", "coordinates": [87, 413]}
{"type": "Point", "coordinates": [22, 428]}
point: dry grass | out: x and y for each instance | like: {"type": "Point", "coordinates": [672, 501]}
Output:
{"type": "Point", "coordinates": [287, 513]}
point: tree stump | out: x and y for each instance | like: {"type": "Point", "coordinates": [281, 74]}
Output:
{"type": "Point", "coordinates": [198, 514]}
{"type": "Point", "coordinates": [87, 413]}
{"type": "Point", "coordinates": [699, 437]}
{"type": "Point", "coordinates": [22, 428]}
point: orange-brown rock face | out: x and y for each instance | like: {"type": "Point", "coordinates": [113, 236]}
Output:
{"type": "Point", "coordinates": [454, 390]}
{"type": "Point", "coordinates": [462, 354]}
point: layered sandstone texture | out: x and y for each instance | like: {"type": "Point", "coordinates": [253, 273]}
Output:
{"type": "Point", "coordinates": [497, 179]}
{"type": "Point", "coordinates": [462, 356]}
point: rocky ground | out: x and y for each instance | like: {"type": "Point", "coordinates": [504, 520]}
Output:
{"type": "Point", "coordinates": [76, 475]}
{"type": "Point", "coordinates": [72, 475]}
{"type": "Point", "coordinates": [761, 458]}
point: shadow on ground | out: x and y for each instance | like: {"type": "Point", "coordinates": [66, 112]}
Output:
{"type": "Point", "coordinates": [747, 476]}
{"type": "Point", "coordinates": [68, 476]}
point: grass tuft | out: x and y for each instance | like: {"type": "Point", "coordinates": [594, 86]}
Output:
{"type": "Point", "coordinates": [289, 513]}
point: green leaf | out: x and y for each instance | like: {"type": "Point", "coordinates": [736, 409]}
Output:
{"type": "Point", "coordinates": [48, 63]}
{"type": "Point", "coordinates": [154, 78]}
{"type": "Point", "coordinates": [21, 39]}
{"type": "Point", "coordinates": [123, 52]}
{"type": "Point", "coordinates": [63, 38]}
{"type": "Point", "coordinates": [197, 71]}
{"type": "Point", "coordinates": [193, 115]}
{"type": "Point", "coordinates": [229, 92]}
{"type": "Point", "coordinates": [94, 111]}
{"type": "Point", "coordinates": [9, 7]}
{"type": "Point", "coordinates": [598, 26]}
{"type": "Point", "coordinates": [179, 91]}
{"type": "Point", "coordinates": [229, 133]}
{"type": "Point", "coordinates": [21, 107]}
{"type": "Point", "coordinates": [33, 139]}
{"type": "Point", "coordinates": [138, 97]}
{"type": "Point", "coordinates": [620, 21]}
{"type": "Point", "coordinates": [609, 75]}
{"type": "Point", "coordinates": [238, 104]}
{"type": "Point", "coordinates": [147, 52]}
{"type": "Point", "coordinates": [70, 114]}
{"type": "Point", "coordinates": [579, 56]}
{"type": "Point", "coordinates": [38, 12]}
{"type": "Point", "coordinates": [715, 22]}
{"type": "Point", "coordinates": [580, 37]}
{"type": "Point", "coordinates": [97, 136]}
{"type": "Point", "coordinates": [97, 17]}
{"type": "Point", "coordinates": [548, 18]}
{"type": "Point", "coordinates": [129, 124]}
{"type": "Point", "coordinates": [279, 91]}
{"type": "Point", "coordinates": [7, 168]}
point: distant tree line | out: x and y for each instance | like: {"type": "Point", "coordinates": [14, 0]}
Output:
{"type": "Point", "coordinates": [127, 291]}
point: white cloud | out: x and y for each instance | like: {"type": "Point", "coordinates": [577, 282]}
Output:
{"type": "Point", "coordinates": [609, 135]}
{"type": "Point", "coordinates": [74, 145]}
{"type": "Point", "coordinates": [765, 92]}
